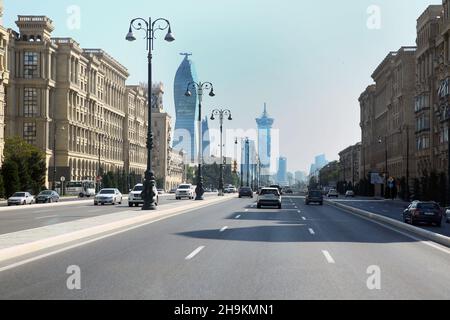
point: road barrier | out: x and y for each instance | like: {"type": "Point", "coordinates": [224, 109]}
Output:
{"type": "Point", "coordinates": [435, 237]}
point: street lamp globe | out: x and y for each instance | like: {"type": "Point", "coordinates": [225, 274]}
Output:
{"type": "Point", "coordinates": [130, 36]}
{"type": "Point", "coordinates": [169, 36]}
{"type": "Point", "coordinates": [188, 94]}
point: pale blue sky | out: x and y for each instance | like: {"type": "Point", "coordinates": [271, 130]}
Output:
{"type": "Point", "coordinates": [309, 60]}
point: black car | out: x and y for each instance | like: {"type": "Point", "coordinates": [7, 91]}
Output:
{"type": "Point", "coordinates": [245, 192]}
{"type": "Point", "coordinates": [426, 212]}
{"type": "Point", "coordinates": [47, 196]}
{"type": "Point", "coordinates": [314, 196]}
{"type": "Point", "coordinates": [277, 187]}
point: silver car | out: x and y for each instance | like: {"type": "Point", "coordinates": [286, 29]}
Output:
{"type": "Point", "coordinates": [21, 198]}
{"type": "Point", "coordinates": [108, 196]}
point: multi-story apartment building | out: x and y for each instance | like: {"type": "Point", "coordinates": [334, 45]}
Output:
{"type": "Point", "coordinates": [349, 160]}
{"type": "Point", "coordinates": [388, 119]}
{"type": "Point", "coordinates": [4, 77]}
{"type": "Point", "coordinates": [74, 105]}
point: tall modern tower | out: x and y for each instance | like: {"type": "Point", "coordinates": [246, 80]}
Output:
{"type": "Point", "coordinates": [265, 124]}
{"type": "Point", "coordinates": [186, 109]}
{"type": "Point", "coordinates": [282, 175]}
{"type": "Point", "coordinates": [206, 138]}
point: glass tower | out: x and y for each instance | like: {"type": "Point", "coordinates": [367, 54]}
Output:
{"type": "Point", "coordinates": [265, 124]}
{"type": "Point", "coordinates": [186, 109]}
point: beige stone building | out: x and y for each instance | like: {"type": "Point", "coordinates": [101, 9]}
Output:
{"type": "Point", "coordinates": [168, 163]}
{"type": "Point", "coordinates": [4, 78]}
{"type": "Point", "coordinates": [74, 104]}
{"type": "Point", "coordinates": [388, 118]}
{"type": "Point", "coordinates": [349, 161]}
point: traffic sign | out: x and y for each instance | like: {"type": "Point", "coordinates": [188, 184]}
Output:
{"type": "Point", "coordinates": [63, 179]}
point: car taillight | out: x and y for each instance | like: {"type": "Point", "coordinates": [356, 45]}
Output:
{"type": "Point", "coordinates": [416, 212]}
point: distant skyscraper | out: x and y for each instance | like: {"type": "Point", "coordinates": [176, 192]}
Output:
{"type": "Point", "coordinates": [265, 124]}
{"type": "Point", "coordinates": [282, 178]}
{"type": "Point", "coordinates": [186, 109]}
{"type": "Point", "coordinates": [206, 138]}
{"type": "Point", "coordinates": [319, 162]}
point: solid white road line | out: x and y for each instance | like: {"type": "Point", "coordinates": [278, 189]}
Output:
{"type": "Point", "coordinates": [194, 253]}
{"type": "Point", "coordinates": [45, 217]}
{"type": "Point", "coordinates": [223, 229]}
{"type": "Point", "coordinates": [311, 231]}
{"type": "Point", "coordinates": [328, 257]}
{"type": "Point", "coordinates": [237, 217]}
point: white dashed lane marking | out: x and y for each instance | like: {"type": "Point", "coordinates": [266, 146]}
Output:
{"type": "Point", "coordinates": [194, 253]}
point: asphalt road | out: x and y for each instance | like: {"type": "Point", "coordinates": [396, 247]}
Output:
{"type": "Point", "coordinates": [392, 209]}
{"type": "Point", "coordinates": [233, 251]}
{"type": "Point", "coordinates": [34, 216]}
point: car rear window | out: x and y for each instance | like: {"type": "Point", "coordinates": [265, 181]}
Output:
{"type": "Point", "coordinates": [428, 206]}
{"type": "Point", "coordinates": [315, 194]}
{"type": "Point", "coordinates": [269, 191]}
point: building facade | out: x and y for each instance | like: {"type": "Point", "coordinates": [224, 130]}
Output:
{"type": "Point", "coordinates": [349, 161]}
{"type": "Point", "coordinates": [388, 119]}
{"type": "Point", "coordinates": [4, 78]}
{"type": "Point", "coordinates": [282, 178]}
{"type": "Point", "coordinates": [186, 110]}
{"type": "Point", "coordinates": [74, 104]}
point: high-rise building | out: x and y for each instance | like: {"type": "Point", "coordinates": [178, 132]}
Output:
{"type": "Point", "coordinates": [249, 163]}
{"type": "Point", "coordinates": [282, 178]}
{"type": "Point", "coordinates": [186, 110]}
{"type": "Point", "coordinates": [265, 123]}
{"type": "Point", "coordinates": [320, 161]}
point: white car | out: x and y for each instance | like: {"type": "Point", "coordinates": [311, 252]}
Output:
{"type": "Point", "coordinates": [333, 193]}
{"type": "Point", "coordinates": [269, 197]}
{"type": "Point", "coordinates": [350, 194]}
{"type": "Point", "coordinates": [185, 191]}
{"type": "Point", "coordinates": [108, 196]}
{"type": "Point", "coordinates": [135, 196]}
{"type": "Point", "coordinates": [21, 198]}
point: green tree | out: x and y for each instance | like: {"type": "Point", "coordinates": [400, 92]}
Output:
{"type": "Point", "coordinates": [10, 172]}
{"type": "Point", "coordinates": [30, 163]}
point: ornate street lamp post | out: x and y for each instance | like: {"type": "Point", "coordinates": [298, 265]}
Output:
{"type": "Point", "coordinates": [149, 27]}
{"type": "Point", "coordinates": [200, 87]}
{"type": "Point", "coordinates": [221, 114]}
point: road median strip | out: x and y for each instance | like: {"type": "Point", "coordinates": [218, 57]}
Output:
{"type": "Point", "coordinates": [433, 236]}
{"type": "Point", "coordinates": [21, 243]}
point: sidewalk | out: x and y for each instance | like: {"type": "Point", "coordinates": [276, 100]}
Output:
{"type": "Point", "coordinates": [14, 245]}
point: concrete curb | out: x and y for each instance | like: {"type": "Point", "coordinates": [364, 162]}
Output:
{"type": "Point", "coordinates": [435, 237]}
{"type": "Point", "coordinates": [17, 251]}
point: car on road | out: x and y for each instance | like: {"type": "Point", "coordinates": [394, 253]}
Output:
{"type": "Point", "coordinates": [245, 192]}
{"type": "Point", "coordinates": [108, 196]}
{"type": "Point", "coordinates": [135, 196]}
{"type": "Point", "coordinates": [269, 197]}
{"type": "Point", "coordinates": [447, 215]}
{"type": "Point", "coordinates": [185, 191]}
{"type": "Point", "coordinates": [333, 193]}
{"type": "Point", "coordinates": [314, 196]}
{"type": "Point", "coordinates": [423, 212]}
{"type": "Point", "coordinates": [47, 196]}
{"type": "Point", "coordinates": [280, 189]}
{"type": "Point", "coordinates": [350, 194]}
{"type": "Point", "coordinates": [173, 191]}
{"type": "Point", "coordinates": [20, 198]}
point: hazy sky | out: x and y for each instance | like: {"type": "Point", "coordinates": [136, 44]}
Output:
{"type": "Point", "coordinates": [309, 60]}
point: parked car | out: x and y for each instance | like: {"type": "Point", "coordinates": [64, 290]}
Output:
{"type": "Point", "coordinates": [269, 197]}
{"type": "Point", "coordinates": [47, 196]}
{"type": "Point", "coordinates": [108, 196]}
{"type": "Point", "coordinates": [173, 191]}
{"type": "Point", "coordinates": [350, 194]}
{"type": "Point", "coordinates": [185, 191]}
{"type": "Point", "coordinates": [245, 192]}
{"type": "Point", "coordinates": [447, 215]}
{"type": "Point", "coordinates": [21, 198]}
{"type": "Point", "coordinates": [135, 196]}
{"type": "Point", "coordinates": [230, 190]}
{"type": "Point", "coordinates": [333, 193]}
{"type": "Point", "coordinates": [314, 196]}
{"type": "Point", "coordinates": [421, 211]}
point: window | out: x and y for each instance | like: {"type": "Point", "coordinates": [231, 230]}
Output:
{"type": "Point", "coordinates": [30, 65]}
{"type": "Point", "coordinates": [29, 132]}
{"type": "Point", "coordinates": [30, 106]}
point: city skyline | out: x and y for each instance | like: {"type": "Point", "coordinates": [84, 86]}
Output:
{"type": "Point", "coordinates": [297, 89]}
